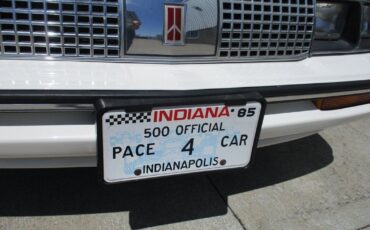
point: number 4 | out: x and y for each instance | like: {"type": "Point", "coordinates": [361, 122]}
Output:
{"type": "Point", "coordinates": [189, 147]}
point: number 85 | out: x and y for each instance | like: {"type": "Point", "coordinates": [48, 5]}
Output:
{"type": "Point", "coordinates": [249, 113]}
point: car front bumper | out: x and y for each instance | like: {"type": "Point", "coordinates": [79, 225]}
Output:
{"type": "Point", "coordinates": [46, 139]}
{"type": "Point", "coordinates": [48, 119]}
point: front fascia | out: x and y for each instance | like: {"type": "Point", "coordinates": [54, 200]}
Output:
{"type": "Point", "coordinates": [75, 76]}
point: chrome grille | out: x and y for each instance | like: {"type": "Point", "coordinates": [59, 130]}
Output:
{"type": "Point", "coordinates": [68, 28]}
{"type": "Point", "coordinates": [265, 28]}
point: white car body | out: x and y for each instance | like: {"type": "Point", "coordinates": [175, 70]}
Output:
{"type": "Point", "coordinates": [61, 133]}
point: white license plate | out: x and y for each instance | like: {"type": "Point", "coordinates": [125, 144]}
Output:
{"type": "Point", "coordinates": [177, 140]}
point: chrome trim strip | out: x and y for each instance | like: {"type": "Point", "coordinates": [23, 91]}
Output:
{"type": "Point", "coordinates": [314, 96]}
{"type": "Point", "coordinates": [122, 26]}
{"type": "Point", "coordinates": [24, 108]}
{"type": "Point", "coordinates": [155, 59]}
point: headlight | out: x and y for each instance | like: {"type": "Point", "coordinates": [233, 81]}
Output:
{"type": "Point", "coordinates": [337, 26]}
{"type": "Point", "coordinates": [330, 20]}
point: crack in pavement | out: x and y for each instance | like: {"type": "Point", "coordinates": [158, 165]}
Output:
{"type": "Point", "coordinates": [225, 202]}
{"type": "Point", "coordinates": [364, 227]}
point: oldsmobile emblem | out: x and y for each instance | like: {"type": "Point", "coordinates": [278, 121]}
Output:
{"type": "Point", "coordinates": [174, 26]}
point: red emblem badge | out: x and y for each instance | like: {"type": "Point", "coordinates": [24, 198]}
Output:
{"type": "Point", "coordinates": [174, 25]}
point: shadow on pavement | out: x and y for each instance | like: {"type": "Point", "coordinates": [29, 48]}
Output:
{"type": "Point", "coordinates": [160, 201]}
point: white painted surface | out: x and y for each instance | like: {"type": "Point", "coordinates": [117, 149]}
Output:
{"type": "Point", "coordinates": [125, 76]}
{"type": "Point", "coordinates": [58, 138]}
{"type": "Point", "coordinates": [59, 143]}
{"type": "Point", "coordinates": [43, 134]}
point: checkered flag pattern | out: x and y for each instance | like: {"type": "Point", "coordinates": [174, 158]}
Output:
{"type": "Point", "coordinates": [129, 118]}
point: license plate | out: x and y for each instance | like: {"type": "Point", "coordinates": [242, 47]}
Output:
{"type": "Point", "coordinates": [177, 140]}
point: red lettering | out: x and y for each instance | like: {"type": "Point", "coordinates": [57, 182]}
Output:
{"type": "Point", "coordinates": [211, 112]}
{"type": "Point", "coordinates": [189, 114]}
{"type": "Point", "coordinates": [224, 112]}
{"type": "Point", "coordinates": [180, 114]}
{"type": "Point", "coordinates": [155, 116]}
{"type": "Point", "coordinates": [198, 114]}
{"type": "Point", "coordinates": [165, 115]}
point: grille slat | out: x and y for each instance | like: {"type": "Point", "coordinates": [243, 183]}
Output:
{"type": "Point", "coordinates": [85, 28]}
{"type": "Point", "coordinates": [265, 28]}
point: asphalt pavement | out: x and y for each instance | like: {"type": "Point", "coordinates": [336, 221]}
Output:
{"type": "Point", "coordinates": [319, 182]}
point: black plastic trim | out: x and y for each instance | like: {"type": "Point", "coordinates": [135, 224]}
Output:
{"type": "Point", "coordinates": [91, 96]}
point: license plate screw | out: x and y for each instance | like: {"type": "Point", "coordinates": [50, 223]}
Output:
{"type": "Point", "coordinates": [223, 162]}
{"type": "Point", "coordinates": [137, 172]}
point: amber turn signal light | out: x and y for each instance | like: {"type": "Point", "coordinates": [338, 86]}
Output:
{"type": "Point", "coordinates": [340, 102]}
